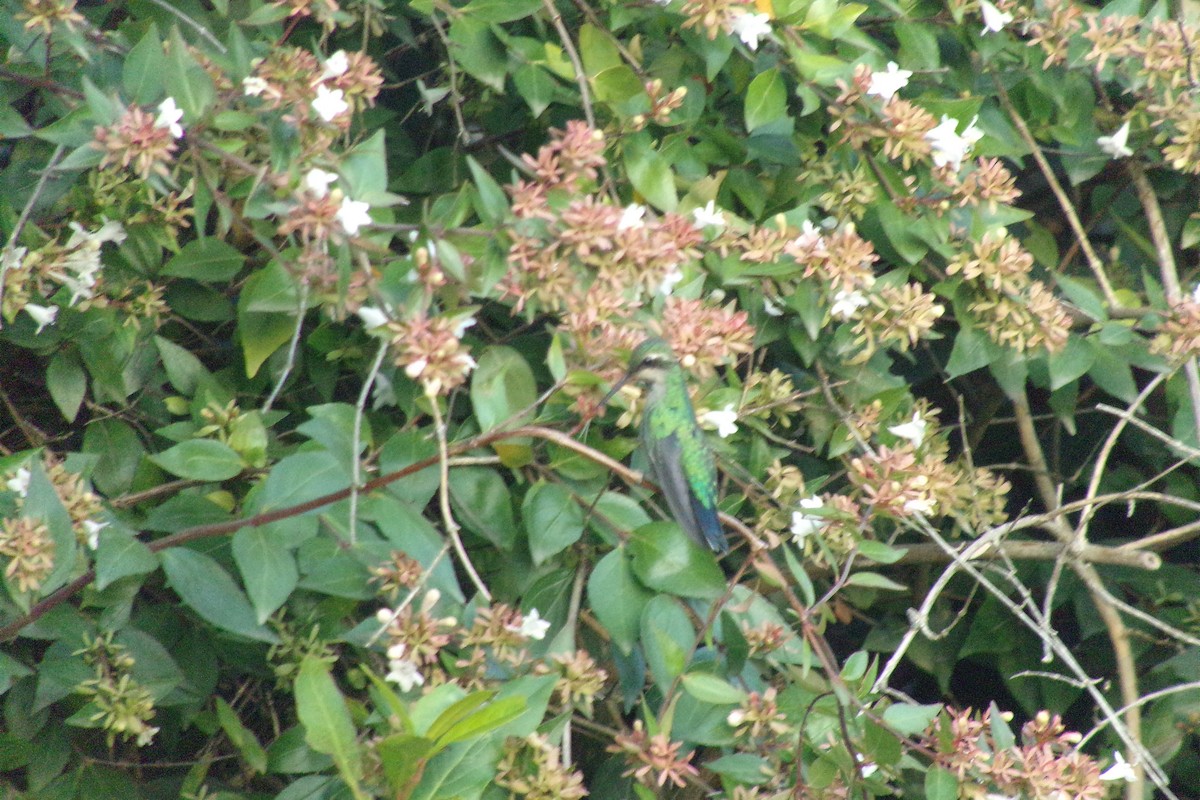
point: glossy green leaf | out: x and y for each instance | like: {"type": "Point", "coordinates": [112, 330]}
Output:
{"type": "Point", "coordinates": [119, 555]}
{"type": "Point", "coordinates": [206, 260]}
{"type": "Point", "coordinates": [940, 784]}
{"type": "Point", "coordinates": [553, 519]}
{"type": "Point", "coordinates": [617, 599]}
{"type": "Point", "coordinates": [501, 386]}
{"type": "Point", "coordinates": [200, 459]}
{"type": "Point", "coordinates": [766, 99]}
{"type": "Point", "coordinates": [711, 689]}
{"type": "Point", "coordinates": [208, 590]}
{"type": "Point", "coordinates": [482, 503]}
{"type": "Point", "coordinates": [67, 383]}
{"type": "Point", "coordinates": [186, 82]}
{"type": "Point", "coordinates": [873, 580]}
{"type": "Point", "coordinates": [268, 571]}
{"type": "Point", "coordinates": [496, 11]}
{"type": "Point", "coordinates": [665, 560]}
{"type": "Point", "coordinates": [328, 727]}
{"type": "Point", "coordinates": [650, 174]}
{"type": "Point", "coordinates": [667, 639]}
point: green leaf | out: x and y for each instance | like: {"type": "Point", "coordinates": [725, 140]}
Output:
{"type": "Point", "coordinates": [326, 719]}
{"type": "Point", "coordinates": [301, 477]}
{"type": "Point", "coordinates": [766, 99]}
{"type": "Point", "coordinates": [478, 51]}
{"type": "Point", "coordinates": [404, 758]}
{"type": "Point", "coordinates": [1072, 361]}
{"type": "Point", "coordinates": [183, 369]}
{"type": "Point", "coordinates": [206, 260]}
{"type": "Point", "coordinates": [67, 383]}
{"type": "Point", "coordinates": [493, 204]}
{"type": "Point", "coordinates": [482, 503]}
{"type": "Point", "coordinates": [744, 768]}
{"type": "Point", "coordinates": [667, 637]}
{"type": "Point", "coordinates": [118, 452]}
{"type": "Point", "coordinates": [120, 555]}
{"type": "Point", "coordinates": [666, 560]}
{"type": "Point", "coordinates": [597, 50]}
{"type": "Point", "coordinates": [460, 771]}
{"type": "Point", "coordinates": [553, 520]}
{"type": "Point", "coordinates": [209, 591]}
{"type": "Point", "coordinates": [536, 87]}
{"type": "Point", "coordinates": [142, 73]}
{"type": "Point", "coordinates": [873, 580]}
{"type": "Point", "coordinates": [501, 385]}
{"type": "Point", "coordinates": [268, 289]}
{"type": "Point", "coordinates": [650, 174]}
{"type": "Point", "coordinates": [970, 352]}
{"type": "Point", "coordinates": [908, 719]}
{"type": "Point", "coordinates": [617, 599]}
{"type": "Point", "coordinates": [487, 719]}
{"type": "Point", "coordinates": [940, 784]}
{"type": "Point", "coordinates": [879, 552]}
{"type": "Point", "coordinates": [268, 570]}
{"type": "Point", "coordinates": [184, 80]}
{"type": "Point", "coordinates": [710, 689]}
{"type": "Point", "coordinates": [496, 11]}
{"type": "Point", "coordinates": [241, 737]}
{"type": "Point", "coordinates": [200, 459]}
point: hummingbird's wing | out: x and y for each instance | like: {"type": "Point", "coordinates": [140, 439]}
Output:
{"type": "Point", "coordinates": [692, 503]}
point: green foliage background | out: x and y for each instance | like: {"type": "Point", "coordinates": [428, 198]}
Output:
{"type": "Point", "coordinates": [242, 428]}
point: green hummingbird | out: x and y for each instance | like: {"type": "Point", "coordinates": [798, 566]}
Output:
{"type": "Point", "coordinates": [680, 461]}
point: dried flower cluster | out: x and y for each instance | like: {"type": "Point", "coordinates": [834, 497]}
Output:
{"type": "Point", "coordinates": [124, 707]}
{"type": "Point", "coordinates": [1045, 765]}
{"type": "Point", "coordinates": [654, 760]}
{"type": "Point", "coordinates": [30, 549]}
{"type": "Point", "coordinates": [1013, 309]}
{"type": "Point", "coordinates": [532, 769]}
{"type": "Point", "coordinates": [596, 264]}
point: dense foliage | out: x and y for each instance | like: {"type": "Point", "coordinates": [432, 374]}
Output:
{"type": "Point", "coordinates": [308, 308]}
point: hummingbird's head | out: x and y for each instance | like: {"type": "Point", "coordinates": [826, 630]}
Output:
{"type": "Point", "coordinates": [650, 361]}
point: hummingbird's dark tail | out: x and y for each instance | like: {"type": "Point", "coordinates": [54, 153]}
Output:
{"type": "Point", "coordinates": [710, 527]}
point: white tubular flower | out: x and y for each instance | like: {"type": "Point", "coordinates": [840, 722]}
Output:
{"type": "Point", "coordinates": [93, 529]}
{"type": "Point", "coordinates": [401, 671]}
{"type": "Point", "coordinates": [724, 421]}
{"type": "Point", "coordinates": [1116, 146]}
{"type": "Point", "coordinates": [950, 147]}
{"type": "Point", "coordinates": [846, 304]}
{"type": "Point", "coordinates": [994, 19]}
{"type": "Point", "coordinates": [353, 215]}
{"type": "Point", "coordinates": [254, 86]}
{"type": "Point", "coordinates": [371, 317]}
{"type": "Point", "coordinates": [884, 85]}
{"type": "Point", "coordinates": [804, 524]}
{"type": "Point", "coordinates": [751, 28]}
{"type": "Point", "coordinates": [532, 626]}
{"type": "Point", "coordinates": [632, 217]}
{"type": "Point", "coordinates": [1121, 770]}
{"type": "Point", "coordinates": [317, 181]}
{"type": "Point", "coordinates": [330, 103]}
{"type": "Point", "coordinates": [670, 281]}
{"type": "Point", "coordinates": [707, 215]}
{"type": "Point", "coordinates": [913, 430]}
{"type": "Point", "coordinates": [19, 483]}
{"type": "Point", "coordinates": [335, 66]}
{"type": "Point", "coordinates": [168, 117]}
{"type": "Point", "coordinates": [42, 315]}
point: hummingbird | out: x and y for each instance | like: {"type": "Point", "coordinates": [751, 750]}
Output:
{"type": "Point", "coordinates": [680, 461]}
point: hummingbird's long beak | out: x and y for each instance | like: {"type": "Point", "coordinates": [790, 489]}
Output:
{"type": "Point", "coordinates": [616, 387]}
